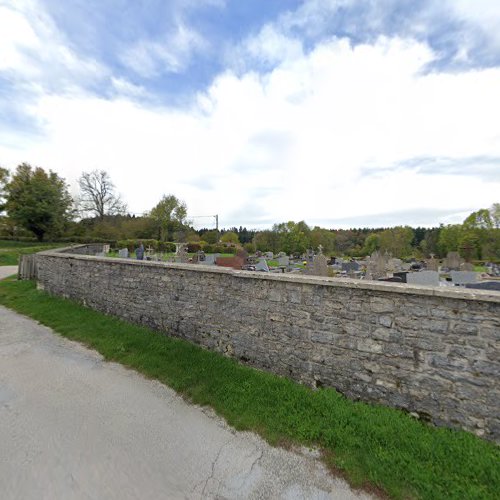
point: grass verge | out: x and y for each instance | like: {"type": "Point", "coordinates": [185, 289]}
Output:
{"type": "Point", "coordinates": [11, 250]}
{"type": "Point", "coordinates": [371, 445]}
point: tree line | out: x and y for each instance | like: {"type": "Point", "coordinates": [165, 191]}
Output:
{"type": "Point", "coordinates": [35, 202]}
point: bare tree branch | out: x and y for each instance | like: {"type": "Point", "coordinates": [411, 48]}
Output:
{"type": "Point", "coordinates": [97, 195]}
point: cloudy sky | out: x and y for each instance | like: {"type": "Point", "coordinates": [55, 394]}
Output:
{"type": "Point", "coordinates": [338, 112]}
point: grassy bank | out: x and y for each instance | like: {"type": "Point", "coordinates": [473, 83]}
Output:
{"type": "Point", "coordinates": [370, 445]}
{"type": "Point", "coordinates": [11, 250]}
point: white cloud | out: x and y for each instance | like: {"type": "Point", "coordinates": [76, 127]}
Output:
{"type": "Point", "coordinates": [294, 143]}
{"type": "Point", "coordinates": [483, 14]}
{"type": "Point", "coordinates": [33, 51]}
{"type": "Point", "coordinates": [172, 54]}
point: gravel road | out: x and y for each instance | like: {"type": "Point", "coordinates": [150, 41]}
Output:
{"type": "Point", "coordinates": [73, 426]}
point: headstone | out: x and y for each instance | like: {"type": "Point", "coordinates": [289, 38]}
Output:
{"type": "Point", "coordinates": [349, 267]}
{"type": "Point", "coordinates": [432, 264]}
{"type": "Point", "coordinates": [262, 266]}
{"type": "Point", "coordinates": [123, 253]}
{"type": "Point", "coordinates": [377, 266]}
{"type": "Point", "coordinates": [463, 277]}
{"type": "Point", "coordinates": [401, 275]}
{"type": "Point", "coordinates": [429, 278]}
{"type": "Point", "coordinates": [210, 259]}
{"type": "Point", "coordinates": [394, 265]}
{"type": "Point", "coordinates": [453, 261]}
{"type": "Point", "coordinates": [269, 255]}
{"type": "Point", "coordinates": [466, 266]}
{"type": "Point", "coordinates": [283, 261]}
{"type": "Point", "coordinates": [319, 266]}
{"type": "Point", "coordinates": [106, 248]}
{"type": "Point", "coordinates": [485, 285]}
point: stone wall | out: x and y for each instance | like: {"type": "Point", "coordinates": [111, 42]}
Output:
{"type": "Point", "coordinates": [431, 351]}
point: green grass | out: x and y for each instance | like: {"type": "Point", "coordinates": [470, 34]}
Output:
{"type": "Point", "coordinates": [11, 250]}
{"type": "Point", "coordinates": [371, 445]}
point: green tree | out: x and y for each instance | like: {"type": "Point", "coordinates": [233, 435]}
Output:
{"type": "Point", "coordinates": [4, 177]}
{"type": "Point", "coordinates": [169, 215]}
{"type": "Point", "coordinates": [267, 241]}
{"type": "Point", "coordinates": [495, 215]}
{"type": "Point", "coordinates": [324, 237]}
{"type": "Point", "coordinates": [397, 241]}
{"type": "Point", "coordinates": [230, 237]}
{"type": "Point", "coordinates": [38, 201]}
{"type": "Point", "coordinates": [294, 237]}
{"type": "Point", "coordinates": [211, 237]}
{"type": "Point", "coordinates": [372, 244]}
{"type": "Point", "coordinates": [449, 238]}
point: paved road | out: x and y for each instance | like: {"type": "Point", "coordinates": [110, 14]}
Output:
{"type": "Point", "coordinates": [73, 426]}
{"type": "Point", "coordinates": [7, 271]}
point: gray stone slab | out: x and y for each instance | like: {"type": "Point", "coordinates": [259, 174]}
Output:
{"type": "Point", "coordinates": [123, 253]}
{"type": "Point", "coordinates": [283, 261]}
{"type": "Point", "coordinates": [463, 277]}
{"type": "Point", "coordinates": [262, 266]}
{"type": "Point", "coordinates": [350, 266]}
{"type": "Point", "coordinates": [429, 278]}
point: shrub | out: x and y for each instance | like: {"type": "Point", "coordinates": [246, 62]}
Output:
{"type": "Point", "coordinates": [193, 247]}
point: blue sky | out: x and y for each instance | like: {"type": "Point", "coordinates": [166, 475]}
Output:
{"type": "Point", "coordinates": [340, 112]}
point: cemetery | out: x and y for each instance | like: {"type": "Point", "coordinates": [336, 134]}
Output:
{"type": "Point", "coordinates": [430, 350]}
{"type": "Point", "coordinates": [451, 271]}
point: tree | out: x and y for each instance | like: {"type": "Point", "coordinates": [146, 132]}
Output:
{"type": "Point", "coordinates": [397, 241]}
{"type": "Point", "coordinates": [372, 243]}
{"type": "Point", "coordinates": [4, 177]}
{"type": "Point", "coordinates": [294, 237]}
{"type": "Point", "coordinates": [169, 215]}
{"type": "Point", "coordinates": [211, 236]}
{"type": "Point", "coordinates": [97, 195]}
{"type": "Point", "coordinates": [38, 201]}
{"type": "Point", "coordinates": [230, 237]}
{"type": "Point", "coordinates": [323, 237]}
{"type": "Point", "coordinates": [495, 215]}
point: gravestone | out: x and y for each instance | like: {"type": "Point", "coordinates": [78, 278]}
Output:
{"type": "Point", "coordinates": [349, 267]}
{"type": "Point", "coordinates": [123, 253]}
{"type": "Point", "coordinates": [453, 261]}
{"type": "Point", "coordinates": [463, 277]}
{"type": "Point", "coordinates": [466, 266]}
{"type": "Point", "coordinates": [432, 264]}
{"type": "Point", "coordinates": [262, 266]}
{"type": "Point", "coordinates": [269, 255]}
{"type": "Point", "coordinates": [485, 285]}
{"type": "Point", "coordinates": [319, 266]}
{"type": "Point", "coordinates": [283, 261]}
{"type": "Point", "coordinates": [377, 266]}
{"type": "Point", "coordinates": [106, 248]}
{"type": "Point", "coordinates": [181, 256]}
{"type": "Point", "coordinates": [401, 275]}
{"type": "Point", "coordinates": [394, 265]}
{"type": "Point", "coordinates": [429, 278]}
